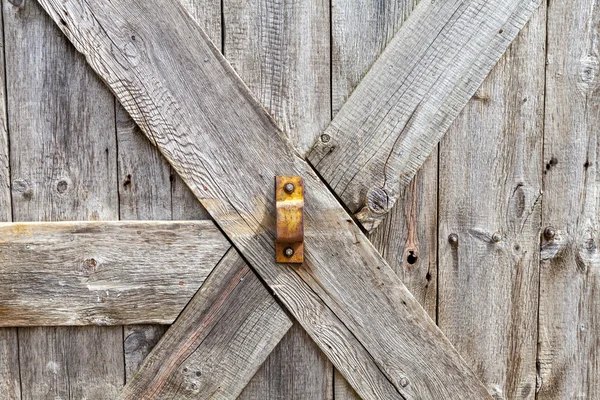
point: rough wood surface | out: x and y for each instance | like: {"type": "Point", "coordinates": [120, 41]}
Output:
{"type": "Point", "coordinates": [63, 167]}
{"type": "Point", "coordinates": [396, 116]}
{"type": "Point", "coordinates": [103, 273]}
{"type": "Point", "coordinates": [201, 356]}
{"type": "Point", "coordinates": [189, 102]}
{"type": "Point", "coordinates": [150, 189]}
{"type": "Point", "coordinates": [569, 351]}
{"type": "Point", "coordinates": [407, 238]}
{"type": "Point", "coordinates": [280, 49]}
{"type": "Point", "coordinates": [491, 183]}
{"type": "Point", "coordinates": [10, 381]}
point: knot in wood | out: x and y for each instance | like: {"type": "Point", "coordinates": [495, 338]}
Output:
{"type": "Point", "coordinates": [378, 201]}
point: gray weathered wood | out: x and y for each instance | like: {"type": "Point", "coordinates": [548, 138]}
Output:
{"type": "Point", "coordinates": [103, 273]}
{"type": "Point", "coordinates": [396, 116]}
{"type": "Point", "coordinates": [10, 381]}
{"type": "Point", "coordinates": [491, 182]}
{"type": "Point", "coordinates": [407, 238]}
{"type": "Point", "coordinates": [569, 351]}
{"type": "Point", "coordinates": [189, 102]}
{"type": "Point", "coordinates": [150, 189]}
{"type": "Point", "coordinates": [280, 49]}
{"type": "Point", "coordinates": [63, 166]}
{"type": "Point", "coordinates": [201, 356]}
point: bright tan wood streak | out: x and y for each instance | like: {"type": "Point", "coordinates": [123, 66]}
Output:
{"type": "Point", "coordinates": [407, 101]}
{"type": "Point", "coordinates": [491, 181]}
{"type": "Point", "coordinates": [201, 356]}
{"type": "Point", "coordinates": [188, 100]}
{"type": "Point", "coordinates": [103, 273]}
{"type": "Point", "coordinates": [569, 352]}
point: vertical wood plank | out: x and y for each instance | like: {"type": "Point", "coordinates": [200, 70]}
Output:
{"type": "Point", "coordinates": [150, 189]}
{"type": "Point", "coordinates": [280, 48]}
{"type": "Point", "coordinates": [490, 199]}
{"type": "Point", "coordinates": [63, 167]}
{"type": "Point", "coordinates": [407, 238]}
{"type": "Point", "coordinates": [10, 381]}
{"type": "Point", "coordinates": [569, 350]}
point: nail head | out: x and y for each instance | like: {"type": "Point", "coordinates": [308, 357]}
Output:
{"type": "Point", "coordinates": [289, 188]}
{"type": "Point", "coordinates": [549, 233]}
{"type": "Point", "coordinates": [288, 252]}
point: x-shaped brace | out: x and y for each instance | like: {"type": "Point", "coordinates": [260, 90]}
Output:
{"type": "Point", "coordinates": [190, 103]}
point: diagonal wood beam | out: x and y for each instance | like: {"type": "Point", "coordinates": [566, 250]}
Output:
{"type": "Point", "coordinates": [189, 102]}
{"type": "Point", "coordinates": [396, 116]}
{"type": "Point", "coordinates": [202, 357]}
{"type": "Point", "coordinates": [103, 273]}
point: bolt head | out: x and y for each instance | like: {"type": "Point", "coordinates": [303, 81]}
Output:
{"type": "Point", "coordinates": [496, 237]}
{"type": "Point", "coordinates": [289, 188]}
{"type": "Point", "coordinates": [453, 239]}
{"type": "Point", "coordinates": [549, 233]}
{"type": "Point", "coordinates": [325, 138]}
{"type": "Point", "coordinates": [288, 252]}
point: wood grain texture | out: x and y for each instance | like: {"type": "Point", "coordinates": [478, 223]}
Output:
{"type": "Point", "coordinates": [407, 237]}
{"type": "Point", "coordinates": [491, 183]}
{"type": "Point", "coordinates": [63, 166]}
{"type": "Point", "coordinates": [201, 356]}
{"type": "Point", "coordinates": [228, 150]}
{"type": "Point", "coordinates": [280, 49]}
{"type": "Point", "coordinates": [569, 351]}
{"type": "Point", "coordinates": [103, 273]}
{"type": "Point", "coordinates": [396, 116]}
{"type": "Point", "coordinates": [150, 189]}
{"type": "Point", "coordinates": [10, 381]}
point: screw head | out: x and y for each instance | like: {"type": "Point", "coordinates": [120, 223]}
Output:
{"type": "Point", "coordinates": [496, 237]}
{"type": "Point", "coordinates": [289, 188]}
{"type": "Point", "coordinates": [403, 382]}
{"type": "Point", "coordinates": [453, 239]}
{"type": "Point", "coordinates": [549, 233]}
{"type": "Point", "coordinates": [325, 138]}
{"type": "Point", "coordinates": [288, 252]}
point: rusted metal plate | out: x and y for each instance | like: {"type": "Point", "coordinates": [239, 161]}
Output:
{"type": "Point", "coordinates": [289, 199]}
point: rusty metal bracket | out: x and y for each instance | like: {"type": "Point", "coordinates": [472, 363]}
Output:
{"type": "Point", "coordinates": [289, 201]}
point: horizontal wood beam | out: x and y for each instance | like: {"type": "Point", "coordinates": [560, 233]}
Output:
{"type": "Point", "coordinates": [218, 342]}
{"type": "Point", "coordinates": [190, 103]}
{"type": "Point", "coordinates": [396, 116]}
{"type": "Point", "coordinates": [103, 273]}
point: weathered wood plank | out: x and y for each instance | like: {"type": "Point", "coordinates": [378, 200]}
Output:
{"type": "Point", "coordinates": [228, 150]}
{"type": "Point", "coordinates": [491, 183]}
{"type": "Point", "coordinates": [150, 189]}
{"type": "Point", "coordinates": [569, 350]}
{"type": "Point", "coordinates": [280, 49]}
{"type": "Point", "coordinates": [103, 273]}
{"type": "Point", "coordinates": [63, 166]}
{"type": "Point", "coordinates": [10, 381]}
{"type": "Point", "coordinates": [407, 238]}
{"type": "Point", "coordinates": [396, 116]}
{"type": "Point", "coordinates": [201, 357]}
